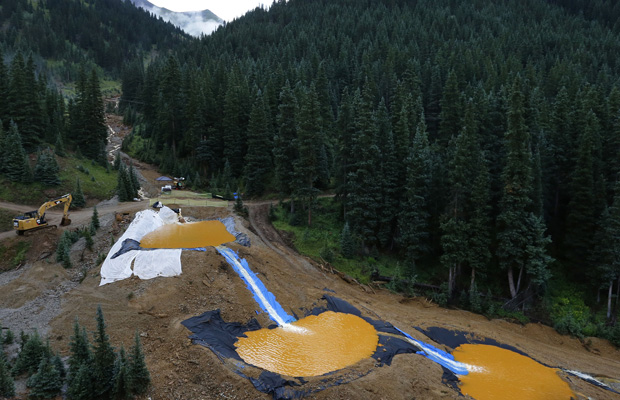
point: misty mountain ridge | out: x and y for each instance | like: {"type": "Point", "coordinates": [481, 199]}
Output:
{"type": "Point", "coordinates": [195, 23]}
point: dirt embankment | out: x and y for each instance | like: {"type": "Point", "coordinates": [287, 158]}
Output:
{"type": "Point", "coordinates": [50, 298]}
{"type": "Point", "coordinates": [42, 295]}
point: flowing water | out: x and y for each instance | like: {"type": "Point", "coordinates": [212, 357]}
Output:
{"type": "Point", "coordinates": [497, 373]}
{"type": "Point", "coordinates": [326, 342]}
{"type": "Point", "coordinates": [187, 236]}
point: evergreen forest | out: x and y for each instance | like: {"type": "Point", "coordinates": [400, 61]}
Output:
{"type": "Point", "coordinates": [475, 143]}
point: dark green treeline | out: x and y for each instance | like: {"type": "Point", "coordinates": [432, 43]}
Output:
{"type": "Point", "coordinates": [481, 137]}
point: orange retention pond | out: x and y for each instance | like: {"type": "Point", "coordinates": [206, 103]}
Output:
{"type": "Point", "coordinates": [497, 373]}
{"type": "Point", "coordinates": [187, 236]}
{"type": "Point", "coordinates": [312, 346]}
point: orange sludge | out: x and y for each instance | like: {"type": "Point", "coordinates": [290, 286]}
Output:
{"type": "Point", "coordinates": [186, 236]}
{"type": "Point", "coordinates": [498, 373]}
{"type": "Point", "coordinates": [328, 342]}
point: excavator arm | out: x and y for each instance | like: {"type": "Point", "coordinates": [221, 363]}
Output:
{"type": "Point", "coordinates": [66, 199]}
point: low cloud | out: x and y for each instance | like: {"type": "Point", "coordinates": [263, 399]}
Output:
{"type": "Point", "coordinates": [191, 22]}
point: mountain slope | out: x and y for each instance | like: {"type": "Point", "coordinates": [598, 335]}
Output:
{"type": "Point", "coordinates": [195, 23]}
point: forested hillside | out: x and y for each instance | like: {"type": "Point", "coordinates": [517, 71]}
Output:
{"type": "Point", "coordinates": [88, 33]}
{"type": "Point", "coordinates": [54, 56]}
{"type": "Point", "coordinates": [477, 140]}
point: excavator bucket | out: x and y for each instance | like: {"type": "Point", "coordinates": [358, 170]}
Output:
{"type": "Point", "coordinates": [65, 221]}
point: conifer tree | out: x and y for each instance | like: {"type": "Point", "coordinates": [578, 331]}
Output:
{"type": "Point", "coordinates": [309, 139]}
{"type": "Point", "coordinates": [47, 382]}
{"type": "Point", "coordinates": [413, 221]}
{"type": "Point", "coordinates": [139, 376]}
{"type": "Point", "coordinates": [450, 117]}
{"type": "Point", "coordinates": [3, 145]}
{"type": "Point", "coordinates": [364, 187]}
{"type": "Point", "coordinates": [122, 385]}
{"type": "Point", "coordinates": [585, 206]}
{"type": "Point", "coordinates": [134, 183]}
{"type": "Point", "coordinates": [258, 156]}
{"type": "Point", "coordinates": [347, 244]}
{"type": "Point", "coordinates": [284, 150]}
{"type": "Point", "coordinates": [80, 364]}
{"type": "Point", "coordinates": [7, 384]}
{"type": "Point", "coordinates": [103, 358]}
{"type": "Point", "coordinates": [59, 146]}
{"type": "Point", "coordinates": [389, 173]}
{"type": "Point", "coordinates": [607, 248]}
{"type": "Point", "coordinates": [16, 166]}
{"type": "Point", "coordinates": [117, 160]}
{"type": "Point", "coordinates": [123, 185]}
{"type": "Point", "coordinates": [33, 351]}
{"type": "Point", "coordinates": [78, 195]}
{"type": "Point", "coordinates": [95, 219]}
{"type": "Point", "coordinates": [466, 238]}
{"type": "Point", "coordinates": [81, 386]}
{"type": "Point", "coordinates": [521, 240]}
{"type": "Point", "coordinates": [63, 252]}
{"type": "Point", "coordinates": [46, 170]}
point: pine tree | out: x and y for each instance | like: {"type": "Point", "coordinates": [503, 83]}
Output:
{"type": "Point", "coordinates": [139, 376]}
{"type": "Point", "coordinates": [59, 147]}
{"type": "Point", "coordinates": [123, 185]}
{"type": "Point", "coordinates": [450, 116]}
{"type": "Point", "coordinates": [29, 358]}
{"type": "Point", "coordinates": [117, 160]}
{"type": "Point", "coordinates": [46, 383]}
{"type": "Point", "coordinates": [16, 166]}
{"type": "Point", "coordinates": [133, 182]}
{"type": "Point", "coordinates": [585, 206]}
{"type": "Point", "coordinates": [364, 182]}
{"type": "Point", "coordinates": [7, 385]}
{"type": "Point", "coordinates": [103, 358]}
{"type": "Point", "coordinates": [122, 385]}
{"type": "Point", "coordinates": [284, 150]}
{"type": "Point", "coordinates": [258, 156]}
{"type": "Point", "coordinates": [82, 384]}
{"type": "Point", "coordinates": [46, 170]}
{"type": "Point", "coordinates": [465, 225]}
{"type": "Point", "coordinates": [95, 219]}
{"type": "Point", "coordinates": [521, 241]}
{"type": "Point", "coordinates": [309, 140]}
{"type": "Point", "coordinates": [78, 195]}
{"type": "Point", "coordinates": [63, 251]}
{"type": "Point", "coordinates": [347, 244]}
{"type": "Point", "coordinates": [413, 220]}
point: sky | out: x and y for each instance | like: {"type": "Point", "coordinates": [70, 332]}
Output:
{"type": "Point", "coordinates": [225, 9]}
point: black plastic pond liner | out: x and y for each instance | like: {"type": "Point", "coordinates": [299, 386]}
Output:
{"type": "Point", "coordinates": [211, 331]}
{"type": "Point", "coordinates": [455, 338]}
{"type": "Point", "coordinates": [131, 244]}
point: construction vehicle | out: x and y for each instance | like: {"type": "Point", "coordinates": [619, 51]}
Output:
{"type": "Point", "coordinates": [35, 220]}
{"type": "Point", "coordinates": [179, 183]}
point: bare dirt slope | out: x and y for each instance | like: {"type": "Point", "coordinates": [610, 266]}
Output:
{"type": "Point", "coordinates": [180, 370]}
{"type": "Point", "coordinates": [41, 295]}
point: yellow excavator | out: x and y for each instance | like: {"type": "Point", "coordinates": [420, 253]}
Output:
{"type": "Point", "coordinates": [35, 220]}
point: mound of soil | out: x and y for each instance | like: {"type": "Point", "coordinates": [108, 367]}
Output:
{"type": "Point", "coordinates": [180, 370]}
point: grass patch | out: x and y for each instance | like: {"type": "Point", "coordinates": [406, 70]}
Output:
{"type": "Point", "coordinates": [22, 249]}
{"type": "Point", "coordinates": [323, 239]}
{"type": "Point", "coordinates": [6, 220]}
{"type": "Point", "coordinates": [96, 183]}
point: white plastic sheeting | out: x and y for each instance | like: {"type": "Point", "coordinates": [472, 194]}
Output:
{"type": "Point", "coordinates": [146, 264]}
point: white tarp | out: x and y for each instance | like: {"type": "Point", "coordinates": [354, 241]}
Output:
{"type": "Point", "coordinates": [147, 264]}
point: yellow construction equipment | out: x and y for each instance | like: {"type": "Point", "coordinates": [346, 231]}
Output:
{"type": "Point", "coordinates": [35, 220]}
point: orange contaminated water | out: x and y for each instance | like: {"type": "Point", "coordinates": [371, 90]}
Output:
{"type": "Point", "coordinates": [497, 373]}
{"type": "Point", "coordinates": [312, 346]}
{"type": "Point", "coordinates": [186, 236]}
